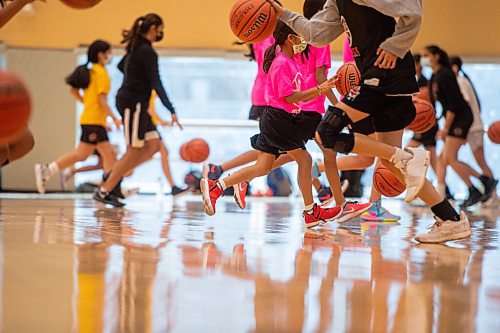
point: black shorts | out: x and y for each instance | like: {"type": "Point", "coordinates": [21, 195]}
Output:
{"type": "Point", "coordinates": [308, 122]}
{"type": "Point", "coordinates": [364, 126]}
{"type": "Point", "coordinates": [389, 113]}
{"type": "Point", "coordinates": [93, 134]}
{"type": "Point", "coordinates": [461, 125]}
{"type": "Point", "coordinates": [137, 123]}
{"type": "Point", "coordinates": [427, 139]}
{"type": "Point", "coordinates": [256, 112]}
{"type": "Point", "coordinates": [280, 132]}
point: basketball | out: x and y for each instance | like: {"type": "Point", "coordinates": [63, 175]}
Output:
{"type": "Point", "coordinates": [386, 182]}
{"type": "Point", "coordinates": [424, 94]}
{"type": "Point", "coordinates": [80, 4]}
{"type": "Point", "coordinates": [348, 77]}
{"type": "Point", "coordinates": [196, 151]}
{"type": "Point", "coordinates": [15, 107]}
{"type": "Point", "coordinates": [494, 132]}
{"type": "Point", "coordinates": [252, 21]}
{"type": "Point", "coordinates": [425, 118]}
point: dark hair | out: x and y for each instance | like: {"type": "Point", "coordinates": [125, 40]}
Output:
{"type": "Point", "coordinates": [280, 35]}
{"type": "Point", "coordinates": [251, 52]}
{"type": "Point", "coordinates": [80, 78]}
{"type": "Point", "coordinates": [2, 3]}
{"type": "Point", "coordinates": [312, 7]}
{"type": "Point", "coordinates": [457, 61]}
{"type": "Point", "coordinates": [444, 60]}
{"type": "Point", "coordinates": [417, 57]}
{"type": "Point", "coordinates": [141, 26]}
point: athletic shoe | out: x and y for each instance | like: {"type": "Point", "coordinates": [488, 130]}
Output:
{"type": "Point", "coordinates": [490, 185]}
{"type": "Point", "coordinates": [351, 209]}
{"type": "Point", "coordinates": [448, 194]}
{"type": "Point", "coordinates": [442, 231]}
{"type": "Point", "coordinates": [178, 191]}
{"type": "Point", "coordinates": [117, 191]}
{"type": "Point", "coordinates": [474, 197]}
{"type": "Point", "coordinates": [108, 199]}
{"type": "Point", "coordinates": [377, 213]}
{"type": "Point", "coordinates": [492, 202]}
{"type": "Point", "coordinates": [212, 171]}
{"type": "Point", "coordinates": [345, 185]}
{"type": "Point", "coordinates": [325, 195]}
{"type": "Point", "coordinates": [320, 215]}
{"type": "Point", "coordinates": [240, 193]}
{"type": "Point", "coordinates": [414, 171]}
{"type": "Point", "coordinates": [64, 177]}
{"type": "Point", "coordinates": [41, 176]}
{"type": "Point", "coordinates": [210, 191]}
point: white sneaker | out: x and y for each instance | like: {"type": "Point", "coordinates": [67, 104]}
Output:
{"type": "Point", "coordinates": [64, 177]}
{"type": "Point", "coordinates": [443, 231]}
{"type": "Point", "coordinates": [41, 173]}
{"type": "Point", "coordinates": [414, 171]}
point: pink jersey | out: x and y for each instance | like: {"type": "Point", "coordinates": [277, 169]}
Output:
{"type": "Point", "coordinates": [347, 52]}
{"type": "Point", "coordinates": [259, 86]}
{"type": "Point", "coordinates": [284, 78]}
{"type": "Point", "coordinates": [318, 57]}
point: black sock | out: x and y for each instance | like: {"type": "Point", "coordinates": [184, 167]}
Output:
{"type": "Point", "coordinates": [105, 176]}
{"type": "Point", "coordinates": [485, 179]}
{"type": "Point", "coordinates": [4, 163]}
{"type": "Point", "coordinates": [445, 211]}
{"type": "Point", "coordinates": [473, 189]}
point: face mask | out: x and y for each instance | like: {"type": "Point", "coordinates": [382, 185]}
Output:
{"type": "Point", "coordinates": [300, 47]}
{"type": "Point", "coordinates": [159, 36]}
{"type": "Point", "coordinates": [425, 62]}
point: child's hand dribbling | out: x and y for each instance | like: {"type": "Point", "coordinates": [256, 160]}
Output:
{"type": "Point", "coordinates": [277, 7]}
{"type": "Point", "coordinates": [328, 84]}
{"type": "Point", "coordinates": [175, 121]}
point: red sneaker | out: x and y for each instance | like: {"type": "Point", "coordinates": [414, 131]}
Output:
{"type": "Point", "coordinates": [352, 209]}
{"type": "Point", "coordinates": [210, 192]}
{"type": "Point", "coordinates": [240, 193]}
{"type": "Point", "coordinates": [321, 215]}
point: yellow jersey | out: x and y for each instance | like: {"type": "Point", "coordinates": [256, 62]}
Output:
{"type": "Point", "coordinates": [100, 83]}
{"type": "Point", "coordinates": [154, 118]}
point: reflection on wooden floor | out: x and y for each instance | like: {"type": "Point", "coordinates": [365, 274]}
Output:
{"type": "Point", "coordinates": [69, 265]}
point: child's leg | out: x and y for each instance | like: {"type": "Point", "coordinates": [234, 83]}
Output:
{"type": "Point", "coordinates": [240, 160]}
{"type": "Point", "coordinates": [107, 153]}
{"type": "Point", "coordinates": [262, 167]}
{"type": "Point", "coordinates": [80, 154]}
{"type": "Point", "coordinates": [450, 151]}
{"type": "Point", "coordinates": [479, 157]}
{"type": "Point", "coordinates": [19, 148]}
{"type": "Point", "coordinates": [165, 164]}
{"type": "Point", "coordinates": [304, 161]}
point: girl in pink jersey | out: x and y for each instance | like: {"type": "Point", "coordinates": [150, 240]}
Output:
{"type": "Point", "coordinates": [280, 131]}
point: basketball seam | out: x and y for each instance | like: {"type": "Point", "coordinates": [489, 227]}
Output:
{"type": "Point", "coordinates": [251, 17]}
{"type": "Point", "coordinates": [387, 182]}
{"type": "Point", "coordinates": [264, 28]}
{"type": "Point", "coordinates": [236, 10]}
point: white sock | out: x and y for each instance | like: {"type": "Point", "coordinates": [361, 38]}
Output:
{"type": "Point", "coordinates": [400, 155]}
{"type": "Point", "coordinates": [309, 208]}
{"type": "Point", "coordinates": [53, 169]}
{"type": "Point", "coordinates": [222, 185]}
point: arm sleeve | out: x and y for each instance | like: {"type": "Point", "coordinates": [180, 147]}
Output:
{"type": "Point", "coordinates": [103, 83]}
{"type": "Point", "coordinates": [450, 90]}
{"type": "Point", "coordinates": [321, 29]}
{"type": "Point", "coordinates": [323, 57]}
{"type": "Point", "coordinates": [284, 82]}
{"type": "Point", "coordinates": [151, 66]}
{"type": "Point", "coordinates": [466, 89]}
{"type": "Point", "coordinates": [409, 13]}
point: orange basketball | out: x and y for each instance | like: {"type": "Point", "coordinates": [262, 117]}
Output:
{"type": "Point", "coordinates": [196, 151]}
{"type": "Point", "coordinates": [252, 21]}
{"type": "Point", "coordinates": [348, 77]}
{"type": "Point", "coordinates": [424, 94]}
{"type": "Point", "coordinates": [426, 116]}
{"type": "Point", "coordinates": [494, 132]}
{"type": "Point", "coordinates": [80, 4]}
{"type": "Point", "coordinates": [15, 107]}
{"type": "Point", "coordinates": [386, 182]}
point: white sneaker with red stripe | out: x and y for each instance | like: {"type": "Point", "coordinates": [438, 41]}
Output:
{"type": "Point", "coordinates": [351, 209]}
{"type": "Point", "coordinates": [240, 193]}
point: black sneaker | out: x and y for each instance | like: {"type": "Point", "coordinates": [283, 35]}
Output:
{"type": "Point", "coordinates": [178, 191]}
{"type": "Point", "coordinates": [448, 194]}
{"type": "Point", "coordinates": [117, 191]}
{"type": "Point", "coordinates": [474, 197]}
{"type": "Point", "coordinates": [490, 184]}
{"type": "Point", "coordinates": [212, 171]}
{"type": "Point", "coordinates": [325, 194]}
{"type": "Point", "coordinates": [108, 199]}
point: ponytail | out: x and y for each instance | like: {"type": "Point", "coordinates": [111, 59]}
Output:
{"type": "Point", "coordinates": [251, 50]}
{"type": "Point", "coordinates": [80, 78]}
{"type": "Point", "coordinates": [139, 28]}
{"type": "Point", "coordinates": [269, 57]}
{"type": "Point", "coordinates": [457, 61]}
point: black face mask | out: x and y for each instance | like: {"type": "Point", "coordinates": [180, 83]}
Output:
{"type": "Point", "coordinates": [159, 36]}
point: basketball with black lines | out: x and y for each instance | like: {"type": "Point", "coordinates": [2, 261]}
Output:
{"type": "Point", "coordinates": [15, 107]}
{"type": "Point", "coordinates": [494, 132]}
{"type": "Point", "coordinates": [425, 118]}
{"type": "Point", "coordinates": [252, 21]}
{"type": "Point", "coordinates": [195, 151]}
{"type": "Point", "coordinates": [80, 4]}
{"type": "Point", "coordinates": [348, 77]}
{"type": "Point", "coordinates": [386, 183]}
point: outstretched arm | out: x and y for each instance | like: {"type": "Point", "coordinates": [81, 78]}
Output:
{"type": "Point", "coordinates": [9, 11]}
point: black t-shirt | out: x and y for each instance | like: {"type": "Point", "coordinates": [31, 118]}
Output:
{"type": "Point", "coordinates": [422, 82]}
{"type": "Point", "coordinates": [445, 90]}
{"type": "Point", "coordinates": [142, 76]}
{"type": "Point", "coordinates": [366, 29]}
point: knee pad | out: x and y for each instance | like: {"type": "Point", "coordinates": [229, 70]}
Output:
{"type": "Point", "coordinates": [330, 131]}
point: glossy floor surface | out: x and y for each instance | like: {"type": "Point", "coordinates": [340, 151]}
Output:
{"type": "Point", "coordinates": [69, 265]}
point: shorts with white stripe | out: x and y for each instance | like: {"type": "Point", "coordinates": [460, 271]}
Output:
{"type": "Point", "coordinates": [137, 124]}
